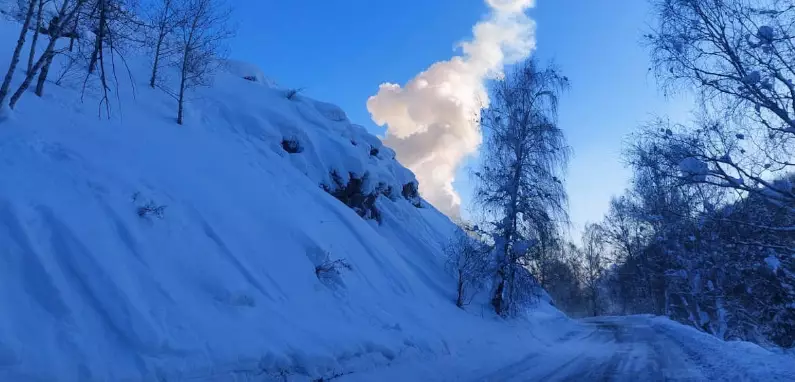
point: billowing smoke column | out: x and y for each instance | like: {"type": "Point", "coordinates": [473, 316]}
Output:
{"type": "Point", "coordinates": [433, 121]}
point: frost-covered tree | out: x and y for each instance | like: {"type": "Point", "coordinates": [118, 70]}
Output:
{"type": "Point", "coordinates": [710, 205]}
{"type": "Point", "coordinates": [704, 255]}
{"type": "Point", "coordinates": [738, 56]}
{"type": "Point", "coordinates": [519, 184]}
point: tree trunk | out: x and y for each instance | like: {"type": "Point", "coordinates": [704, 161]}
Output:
{"type": "Point", "coordinates": [36, 31]}
{"type": "Point", "coordinates": [45, 70]}
{"type": "Point", "coordinates": [497, 301]}
{"type": "Point", "coordinates": [153, 80]}
{"type": "Point", "coordinates": [99, 39]}
{"type": "Point", "coordinates": [181, 106]}
{"type": "Point", "coordinates": [460, 300]}
{"type": "Point", "coordinates": [17, 51]}
{"type": "Point", "coordinates": [183, 83]}
{"type": "Point", "coordinates": [73, 34]}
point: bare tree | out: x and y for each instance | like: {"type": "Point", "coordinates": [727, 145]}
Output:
{"type": "Point", "coordinates": [12, 67]}
{"type": "Point", "coordinates": [164, 18]}
{"type": "Point", "coordinates": [560, 273]}
{"type": "Point", "coordinates": [64, 17]}
{"type": "Point", "coordinates": [115, 27]}
{"type": "Point", "coordinates": [467, 258]}
{"type": "Point", "coordinates": [36, 31]}
{"type": "Point", "coordinates": [202, 33]}
{"type": "Point", "coordinates": [593, 250]}
{"type": "Point", "coordinates": [520, 183]}
{"type": "Point", "coordinates": [54, 33]}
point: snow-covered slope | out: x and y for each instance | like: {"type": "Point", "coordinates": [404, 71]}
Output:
{"type": "Point", "coordinates": [134, 248]}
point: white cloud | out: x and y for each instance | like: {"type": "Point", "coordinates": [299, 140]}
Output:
{"type": "Point", "coordinates": [432, 121]}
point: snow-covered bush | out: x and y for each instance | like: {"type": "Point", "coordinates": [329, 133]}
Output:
{"type": "Point", "coordinates": [328, 270]}
{"type": "Point", "coordinates": [331, 268]}
{"type": "Point", "coordinates": [148, 208]}
{"type": "Point", "coordinates": [291, 94]}
{"type": "Point", "coordinates": [151, 209]}
{"type": "Point", "coordinates": [358, 193]}
{"type": "Point", "coordinates": [411, 193]}
{"type": "Point", "coordinates": [291, 145]}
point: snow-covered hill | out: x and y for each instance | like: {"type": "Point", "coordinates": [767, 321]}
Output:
{"type": "Point", "coordinates": [133, 248]}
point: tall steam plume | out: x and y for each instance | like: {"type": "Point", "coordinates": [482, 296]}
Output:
{"type": "Point", "coordinates": [433, 121]}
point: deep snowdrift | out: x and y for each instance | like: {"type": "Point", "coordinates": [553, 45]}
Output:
{"type": "Point", "coordinates": [134, 248]}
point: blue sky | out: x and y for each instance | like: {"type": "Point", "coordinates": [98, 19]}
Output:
{"type": "Point", "coordinates": [340, 51]}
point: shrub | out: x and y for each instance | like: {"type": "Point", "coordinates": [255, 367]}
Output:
{"type": "Point", "coordinates": [352, 195]}
{"type": "Point", "coordinates": [330, 267]}
{"type": "Point", "coordinates": [291, 94]}
{"type": "Point", "coordinates": [329, 271]}
{"type": "Point", "coordinates": [151, 209]}
{"type": "Point", "coordinates": [292, 146]}
{"type": "Point", "coordinates": [148, 208]}
{"type": "Point", "coordinates": [411, 193]}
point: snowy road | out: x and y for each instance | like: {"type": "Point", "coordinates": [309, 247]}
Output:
{"type": "Point", "coordinates": [633, 348]}
{"type": "Point", "coordinates": [637, 349]}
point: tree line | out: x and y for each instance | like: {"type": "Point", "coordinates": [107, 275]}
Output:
{"type": "Point", "coordinates": [94, 38]}
{"type": "Point", "coordinates": [705, 231]}
{"type": "Point", "coordinates": [704, 234]}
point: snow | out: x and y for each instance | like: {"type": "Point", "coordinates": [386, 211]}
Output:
{"type": "Point", "coordinates": [523, 246]}
{"type": "Point", "coordinates": [629, 348]}
{"type": "Point", "coordinates": [732, 360]}
{"type": "Point", "coordinates": [138, 249]}
{"type": "Point", "coordinates": [248, 71]}
{"type": "Point", "coordinates": [765, 34]}
{"type": "Point", "coordinates": [694, 167]}
{"type": "Point", "coordinates": [215, 279]}
{"type": "Point", "coordinates": [773, 262]}
{"type": "Point", "coordinates": [752, 78]}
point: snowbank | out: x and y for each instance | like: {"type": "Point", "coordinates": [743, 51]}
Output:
{"type": "Point", "coordinates": [747, 360]}
{"type": "Point", "coordinates": [137, 249]}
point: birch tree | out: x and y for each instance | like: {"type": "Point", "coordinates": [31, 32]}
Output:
{"type": "Point", "coordinates": [520, 183]}
{"type": "Point", "coordinates": [36, 31]}
{"type": "Point", "coordinates": [164, 18]}
{"type": "Point", "coordinates": [63, 18]}
{"type": "Point", "coordinates": [202, 34]}
{"type": "Point", "coordinates": [12, 67]}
